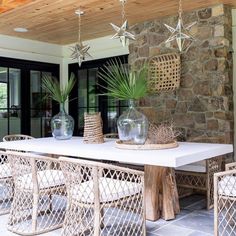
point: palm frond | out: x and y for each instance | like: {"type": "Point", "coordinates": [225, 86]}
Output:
{"type": "Point", "coordinates": [121, 84]}
{"type": "Point", "coordinates": [52, 86]}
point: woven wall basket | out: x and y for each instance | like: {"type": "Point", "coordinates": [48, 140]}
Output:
{"type": "Point", "coordinates": [164, 73]}
{"type": "Point", "coordinates": [93, 128]}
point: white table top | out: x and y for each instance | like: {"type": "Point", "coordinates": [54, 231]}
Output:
{"type": "Point", "coordinates": [186, 153]}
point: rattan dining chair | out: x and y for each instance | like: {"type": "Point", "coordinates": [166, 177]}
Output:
{"type": "Point", "coordinates": [39, 200]}
{"type": "Point", "coordinates": [103, 199]}
{"type": "Point", "coordinates": [6, 184]}
{"type": "Point", "coordinates": [225, 201]}
{"type": "Point", "coordinates": [6, 180]}
{"type": "Point", "coordinates": [15, 137]}
{"type": "Point", "coordinates": [199, 177]}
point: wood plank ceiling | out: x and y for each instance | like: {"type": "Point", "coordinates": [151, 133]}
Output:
{"type": "Point", "coordinates": [55, 21]}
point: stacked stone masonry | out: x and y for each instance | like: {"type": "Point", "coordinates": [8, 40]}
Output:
{"type": "Point", "coordinates": [202, 108]}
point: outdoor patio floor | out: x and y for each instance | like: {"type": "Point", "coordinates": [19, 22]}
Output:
{"type": "Point", "coordinates": [194, 220]}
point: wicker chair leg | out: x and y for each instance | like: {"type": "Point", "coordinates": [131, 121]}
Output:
{"type": "Point", "coordinates": [209, 195]}
{"type": "Point", "coordinates": [35, 212]}
{"type": "Point", "coordinates": [102, 217]}
{"type": "Point", "coordinates": [50, 201]}
{"type": "Point", "coordinates": [79, 221]}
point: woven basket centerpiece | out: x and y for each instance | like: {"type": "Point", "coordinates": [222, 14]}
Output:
{"type": "Point", "coordinates": [93, 128]}
{"type": "Point", "coordinates": [164, 73]}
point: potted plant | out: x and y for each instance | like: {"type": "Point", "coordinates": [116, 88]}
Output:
{"type": "Point", "coordinates": [125, 85]}
{"type": "Point", "coordinates": [62, 124]}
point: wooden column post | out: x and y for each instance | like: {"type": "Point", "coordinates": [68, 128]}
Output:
{"type": "Point", "coordinates": [160, 193]}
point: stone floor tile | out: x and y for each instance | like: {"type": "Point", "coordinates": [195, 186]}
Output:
{"type": "Point", "coordinates": [199, 205]}
{"type": "Point", "coordinates": [187, 201]}
{"type": "Point", "coordinates": [172, 230]}
{"type": "Point", "coordinates": [200, 221]}
{"type": "Point", "coordinates": [153, 225]}
{"type": "Point", "coordinates": [152, 234]}
{"type": "Point", "coordinates": [199, 233]}
{"type": "Point", "coordinates": [193, 216]}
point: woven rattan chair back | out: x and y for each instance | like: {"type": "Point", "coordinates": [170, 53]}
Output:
{"type": "Point", "coordinates": [225, 201]}
{"type": "Point", "coordinates": [6, 184]}
{"type": "Point", "coordinates": [39, 195]}
{"type": "Point", "coordinates": [15, 137]}
{"type": "Point", "coordinates": [103, 199]}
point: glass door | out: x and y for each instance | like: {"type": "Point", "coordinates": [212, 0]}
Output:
{"type": "Point", "coordinates": [10, 101]}
{"type": "Point", "coordinates": [40, 106]}
{"type": "Point", "coordinates": [23, 109]}
{"type": "Point", "coordinates": [87, 97]}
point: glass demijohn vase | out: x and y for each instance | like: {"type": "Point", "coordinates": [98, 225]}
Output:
{"type": "Point", "coordinates": [132, 125]}
{"type": "Point", "coordinates": [62, 124]}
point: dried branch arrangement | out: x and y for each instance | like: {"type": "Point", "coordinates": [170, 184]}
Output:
{"type": "Point", "coordinates": [162, 134]}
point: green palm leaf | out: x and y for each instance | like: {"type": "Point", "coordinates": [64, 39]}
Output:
{"type": "Point", "coordinates": [52, 87]}
{"type": "Point", "coordinates": [121, 84]}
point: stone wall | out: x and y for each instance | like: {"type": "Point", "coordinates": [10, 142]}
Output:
{"type": "Point", "coordinates": [202, 108]}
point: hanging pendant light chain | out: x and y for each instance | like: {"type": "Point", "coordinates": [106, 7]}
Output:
{"type": "Point", "coordinates": [123, 11]}
{"type": "Point", "coordinates": [79, 28]}
{"type": "Point", "coordinates": [181, 34]}
{"type": "Point", "coordinates": [180, 9]}
{"type": "Point", "coordinates": [122, 32]}
{"type": "Point", "coordinates": [79, 51]}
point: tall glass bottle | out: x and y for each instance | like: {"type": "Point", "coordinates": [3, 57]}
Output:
{"type": "Point", "coordinates": [132, 125]}
{"type": "Point", "coordinates": [62, 124]}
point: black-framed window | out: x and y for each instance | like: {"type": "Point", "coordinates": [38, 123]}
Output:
{"type": "Point", "coordinates": [84, 97]}
{"type": "Point", "coordinates": [21, 97]}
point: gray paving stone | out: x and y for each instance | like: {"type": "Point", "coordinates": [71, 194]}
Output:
{"type": "Point", "coordinates": [152, 226]}
{"type": "Point", "coordinates": [191, 218]}
{"type": "Point", "coordinates": [188, 201]}
{"type": "Point", "coordinates": [198, 221]}
{"type": "Point", "coordinates": [198, 233]}
{"type": "Point", "coordinates": [152, 234]}
{"type": "Point", "coordinates": [173, 230]}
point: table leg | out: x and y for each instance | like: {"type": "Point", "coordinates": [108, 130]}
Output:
{"type": "Point", "coordinates": [160, 193]}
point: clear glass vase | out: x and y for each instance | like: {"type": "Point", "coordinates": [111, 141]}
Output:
{"type": "Point", "coordinates": [132, 125]}
{"type": "Point", "coordinates": [62, 124]}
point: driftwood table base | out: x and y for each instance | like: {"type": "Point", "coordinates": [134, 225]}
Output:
{"type": "Point", "coordinates": [161, 193]}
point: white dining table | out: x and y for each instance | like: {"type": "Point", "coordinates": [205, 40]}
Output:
{"type": "Point", "coordinates": [153, 160]}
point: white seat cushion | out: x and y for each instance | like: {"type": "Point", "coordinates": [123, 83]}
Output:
{"type": "Point", "coordinates": [110, 190]}
{"type": "Point", "coordinates": [5, 171]}
{"type": "Point", "coordinates": [46, 179]}
{"type": "Point", "coordinates": [194, 167]}
{"type": "Point", "coordinates": [227, 186]}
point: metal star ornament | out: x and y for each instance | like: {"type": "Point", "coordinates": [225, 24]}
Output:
{"type": "Point", "coordinates": [182, 35]}
{"type": "Point", "coordinates": [80, 52]}
{"type": "Point", "coordinates": [122, 33]}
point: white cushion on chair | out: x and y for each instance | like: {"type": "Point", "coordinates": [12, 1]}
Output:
{"type": "Point", "coordinates": [5, 170]}
{"type": "Point", "coordinates": [194, 167]}
{"type": "Point", "coordinates": [46, 179]}
{"type": "Point", "coordinates": [227, 186]}
{"type": "Point", "coordinates": [110, 190]}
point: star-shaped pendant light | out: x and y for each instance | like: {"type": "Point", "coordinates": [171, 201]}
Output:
{"type": "Point", "coordinates": [122, 32]}
{"type": "Point", "coordinates": [181, 33]}
{"type": "Point", "coordinates": [80, 51]}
